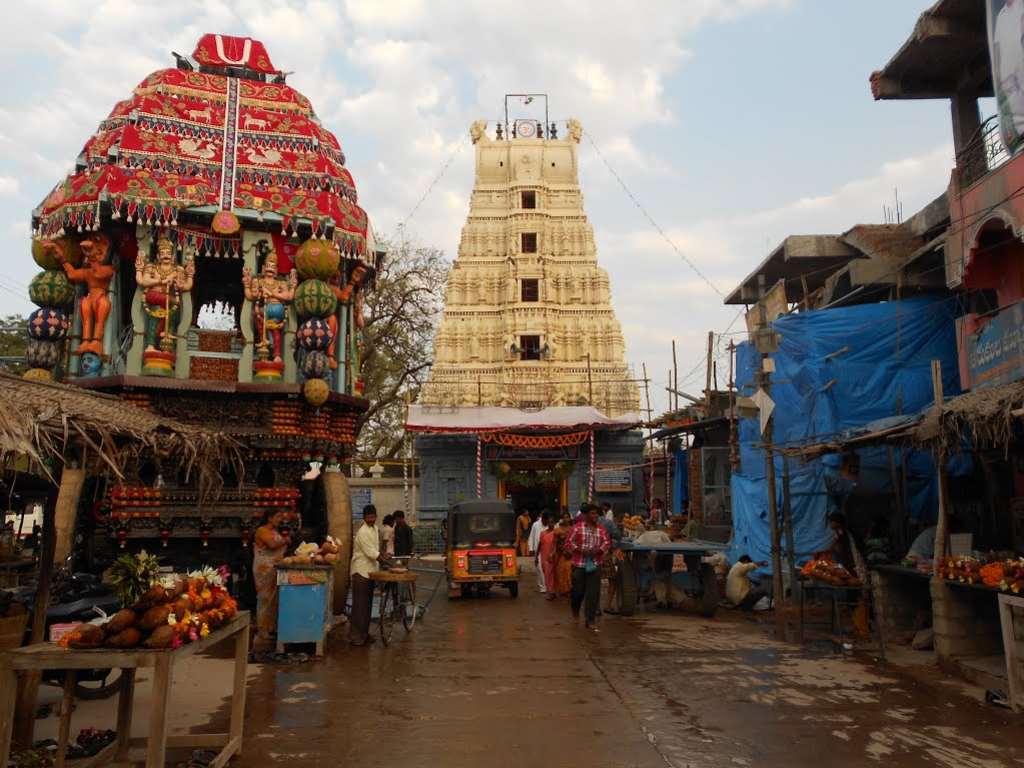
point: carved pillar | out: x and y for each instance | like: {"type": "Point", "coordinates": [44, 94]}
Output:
{"type": "Point", "coordinates": [133, 363]}
{"type": "Point", "coordinates": [181, 361]}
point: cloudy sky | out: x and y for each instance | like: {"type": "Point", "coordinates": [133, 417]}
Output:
{"type": "Point", "coordinates": [733, 122]}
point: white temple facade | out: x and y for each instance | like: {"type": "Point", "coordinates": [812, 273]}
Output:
{"type": "Point", "coordinates": [528, 321]}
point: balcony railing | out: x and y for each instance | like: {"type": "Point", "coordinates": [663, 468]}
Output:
{"type": "Point", "coordinates": [983, 154]}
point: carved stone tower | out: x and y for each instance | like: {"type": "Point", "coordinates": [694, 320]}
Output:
{"type": "Point", "coordinates": [528, 321]}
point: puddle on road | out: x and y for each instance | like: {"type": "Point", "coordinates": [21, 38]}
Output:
{"type": "Point", "coordinates": [947, 747]}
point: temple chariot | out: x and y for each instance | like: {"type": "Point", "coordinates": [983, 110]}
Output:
{"type": "Point", "coordinates": [206, 260]}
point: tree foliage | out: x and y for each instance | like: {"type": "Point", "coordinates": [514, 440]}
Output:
{"type": "Point", "coordinates": [13, 341]}
{"type": "Point", "coordinates": [402, 311]}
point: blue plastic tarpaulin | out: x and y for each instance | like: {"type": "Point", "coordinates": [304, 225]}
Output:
{"type": "Point", "coordinates": [835, 370]}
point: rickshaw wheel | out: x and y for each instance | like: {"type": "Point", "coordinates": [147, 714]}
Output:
{"type": "Point", "coordinates": [513, 589]}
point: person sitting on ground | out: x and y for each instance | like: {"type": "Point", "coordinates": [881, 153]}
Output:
{"type": "Point", "coordinates": [742, 591]}
{"type": "Point", "coordinates": [403, 535]}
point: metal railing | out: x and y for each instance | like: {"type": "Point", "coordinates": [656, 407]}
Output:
{"type": "Point", "coordinates": [983, 154]}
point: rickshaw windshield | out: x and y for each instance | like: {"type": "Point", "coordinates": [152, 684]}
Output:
{"type": "Point", "coordinates": [493, 528]}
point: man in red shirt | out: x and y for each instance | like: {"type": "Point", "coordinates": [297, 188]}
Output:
{"type": "Point", "coordinates": [587, 544]}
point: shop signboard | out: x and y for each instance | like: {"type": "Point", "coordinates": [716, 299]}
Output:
{"type": "Point", "coordinates": [995, 354]}
{"type": "Point", "coordinates": [613, 479]}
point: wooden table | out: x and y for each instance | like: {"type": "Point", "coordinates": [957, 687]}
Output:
{"type": "Point", "coordinates": [1014, 662]}
{"type": "Point", "coordinates": [839, 596]}
{"type": "Point", "coordinates": [43, 656]}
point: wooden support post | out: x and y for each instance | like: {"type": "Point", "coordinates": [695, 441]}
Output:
{"type": "Point", "coordinates": [339, 525]}
{"type": "Point", "coordinates": [156, 745]}
{"type": "Point", "coordinates": [647, 397]}
{"type": "Point", "coordinates": [67, 704]}
{"type": "Point", "coordinates": [125, 700]}
{"type": "Point", "coordinates": [28, 684]}
{"type": "Point", "coordinates": [238, 694]}
{"type": "Point", "coordinates": [707, 374]}
{"type": "Point", "coordinates": [71, 482]}
{"type": "Point", "coordinates": [942, 524]}
{"type": "Point", "coordinates": [787, 524]}
{"type": "Point", "coordinates": [897, 490]}
{"type": "Point", "coordinates": [778, 594]}
{"type": "Point", "coordinates": [674, 398]}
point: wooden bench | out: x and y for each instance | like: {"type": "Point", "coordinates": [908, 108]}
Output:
{"type": "Point", "coordinates": [43, 656]}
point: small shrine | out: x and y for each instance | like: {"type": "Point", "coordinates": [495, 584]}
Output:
{"type": "Point", "coordinates": [206, 260]}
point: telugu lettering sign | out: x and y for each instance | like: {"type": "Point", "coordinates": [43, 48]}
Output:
{"type": "Point", "coordinates": [613, 479]}
{"type": "Point", "coordinates": [995, 354]}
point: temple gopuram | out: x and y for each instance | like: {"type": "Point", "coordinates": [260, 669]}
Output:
{"type": "Point", "coordinates": [529, 397]}
{"type": "Point", "coordinates": [207, 261]}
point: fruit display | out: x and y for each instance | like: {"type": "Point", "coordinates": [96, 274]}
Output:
{"type": "Point", "coordinates": [633, 526]}
{"type": "Point", "coordinates": [830, 573]}
{"type": "Point", "coordinates": [311, 554]}
{"type": "Point", "coordinates": [171, 612]}
{"type": "Point", "coordinates": [1003, 574]}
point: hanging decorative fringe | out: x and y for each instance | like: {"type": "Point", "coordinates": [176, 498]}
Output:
{"type": "Point", "coordinates": [593, 467]}
{"type": "Point", "coordinates": [479, 467]}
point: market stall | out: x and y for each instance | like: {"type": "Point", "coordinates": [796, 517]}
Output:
{"type": "Point", "coordinates": [65, 434]}
{"type": "Point", "coordinates": [43, 656]}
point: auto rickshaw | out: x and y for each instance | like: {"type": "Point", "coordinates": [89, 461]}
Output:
{"type": "Point", "coordinates": [480, 547]}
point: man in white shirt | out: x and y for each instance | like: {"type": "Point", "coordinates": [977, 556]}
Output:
{"type": "Point", "coordinates": [740, 591]}
{"type": "Point", "coordinates": [533, 544]}
{"type": "Point", "coordinates": [366, 555]}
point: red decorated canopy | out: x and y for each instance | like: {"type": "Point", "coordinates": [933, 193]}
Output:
{"type": "Point", "coordinates": [189, 140]}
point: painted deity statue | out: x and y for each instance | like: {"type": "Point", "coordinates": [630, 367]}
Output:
{"type": "Point", "coordinates": [163, 282]}
{"type": "Point", "coordinates": [271, 294]}
{"type": "Point", "coordinates": [94, 307]}
{"type": "Point", "coordinates": [344, 296]}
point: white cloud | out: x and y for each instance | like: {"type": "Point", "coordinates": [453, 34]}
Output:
{"type": "Point", "coordinates": [9, 186]}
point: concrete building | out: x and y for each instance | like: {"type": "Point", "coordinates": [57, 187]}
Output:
{"type": "Point", "coordinates": [529, 358]}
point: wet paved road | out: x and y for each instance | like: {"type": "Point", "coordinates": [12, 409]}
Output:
{"type": "Point", "coordinates": [501, 682]}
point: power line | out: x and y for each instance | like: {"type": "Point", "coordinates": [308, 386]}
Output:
{"type": "Point", "coordinates": [430, 188]}
{"type": "Point", "coordinates": [650, 219]}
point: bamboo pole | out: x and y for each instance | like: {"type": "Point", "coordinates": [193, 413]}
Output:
{"type": "Point", "coordinates": [675, 377]}
{"type": "Point", "coordinates": [942, 524]}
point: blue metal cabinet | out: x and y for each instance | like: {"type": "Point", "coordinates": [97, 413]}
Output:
{"type": "Point", "coordinates": [304, 604]}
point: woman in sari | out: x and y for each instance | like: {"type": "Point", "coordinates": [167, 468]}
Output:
{"type": "Point", "coordinates": [269, 546]}
{"type": "Point", "coordinates": [523, 523]}
{"type": "Point", "coordinates": [563, 561]}
{"type": "Point", "coordinates": [547, 554]}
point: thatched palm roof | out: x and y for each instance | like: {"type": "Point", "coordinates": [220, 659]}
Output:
{"type": "Point", "coordinates": [987, 417]}
{"type": "Point", "coordinates": [48, 422]}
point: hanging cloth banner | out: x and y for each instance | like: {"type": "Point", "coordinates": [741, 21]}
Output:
{"type": "Point", "coordinates": [535, 442]}
{"type": "Point", "coordinates": [1005, 21]}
